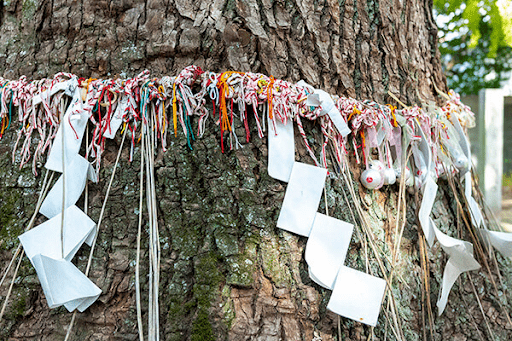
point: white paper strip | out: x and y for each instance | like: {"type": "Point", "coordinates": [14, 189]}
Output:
{"type": "Point", "coordinates": [325, 101]}
{"type": "Point", "coordinates": [117, 118]}
{"type": "Point", "coordinates": [463, 142]}
{"type": "Point", "coordinates": [461, 260]}
{"type": "Point", "coordinates": [45, 239]}
{"type": "Point", "coordinates": [460, 252]}
{"type": "Point", "coordinates": [67, 85]}
{"type": "Point", "coordinates": [281, 149]}
{"type": "Point", "coordinates": [502, 241]}
{"type": "Point", "coordinates": [302, 198]}
{"type": "Point", "coordinates": [73, 128]}
{"type": "Point", "coordinates": [357, 295]}
{"type": "Point", "coordinates": [64, 284]}
{"type": "Point", "coordinates": [429, 196]}
{"type": "Point", "coordinates": [326, 248]}
{"type": "Point", "coordinates": [76, 177]}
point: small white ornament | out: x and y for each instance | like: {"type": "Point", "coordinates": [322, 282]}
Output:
{"type": "Point", "coordinates": [377, 165]}
{"type": "Point", "coordinates": [389, 176]}
{"type": "Point", "coordinates": [371, 178]}
{"type": "Point", "coordinates": [461, 162]}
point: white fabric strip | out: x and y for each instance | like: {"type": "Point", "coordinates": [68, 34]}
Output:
{"type": "Point", "coordinates": [281, 149]}
{"type": "Point", "coordinates": [302, 198]}
{"type": "Point", "coordinates": [357, 295]}
{"type": "Point", "coordinates": [326, 248]}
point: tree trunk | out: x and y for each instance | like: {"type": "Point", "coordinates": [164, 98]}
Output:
{"type": "Point", "coordinates": [227, 271]}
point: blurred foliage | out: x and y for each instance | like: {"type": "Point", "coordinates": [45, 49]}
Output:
{"type": "Point", "coordinates": [475, 39]}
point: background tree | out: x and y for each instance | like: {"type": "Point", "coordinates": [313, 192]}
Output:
{"type": "Point", "coordinates": [475, 43]}
{"type": "Point", "coordinates": [227, 271]}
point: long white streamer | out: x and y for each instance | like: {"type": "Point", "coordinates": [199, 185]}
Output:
{"type": "Point", "coordinates": [51, 245]}
{"type": "Point", "coordinates": [460, 252]}
{"type": "Point", "coordinates": [356, 295]}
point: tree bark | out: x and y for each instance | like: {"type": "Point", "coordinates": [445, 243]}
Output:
{"type": "Point", "coordinates": [227, 271]}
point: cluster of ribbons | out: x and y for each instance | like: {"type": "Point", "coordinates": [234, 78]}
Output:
{"type": "Point", "coordinates": [379, 136]}
{"type": "Point", "coordinates": [186, 102]}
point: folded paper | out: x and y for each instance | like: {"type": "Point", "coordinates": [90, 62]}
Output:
{"type": "Point", "coordinates": [357, 295]}
{"type": "Point", "coordinates": [460, 252]}
{"type": "Point", "coordinates": [76, 177]}
{"type": "Point", "coordinates": [67, 86]}
{"type": "Point", "coordinates": [45, 239]}
{"type": "Point", "coordinates": [502, 241]}
{"type": "Point", "coordinates": [302, 198]}
{"type": "Point", "coordinates": [326, 248]}
{"type": "Point", "coordinates": [73, 127]}
{"type": "Point", "coordinates": [429, 196]}
{"type": "Point", "coordinates": [281, 149]}
{"type": "Point", "coordinates": [461, 260]}
{"type": "Point", "coordinates": [64, 284]}
{"type": "Point", "coordinates": [463, 142]}
{"type": "Point", "coordinates": [326, 103]}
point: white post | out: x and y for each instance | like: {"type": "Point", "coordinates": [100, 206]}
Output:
{"type": "Point", "coordinates": [490, 158]}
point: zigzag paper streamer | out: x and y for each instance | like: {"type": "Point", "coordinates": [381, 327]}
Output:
{"type": "Point", "coordinates": [45, 239]}
{"type": "Point", "coordinates": [51, 245]}
{"type": "Point", "coordinates": [501, 241]}
{"type": "Point", "coordinates": [302, 198]}
{"type": "Point", "coordinates": [460, 252]}
{"type": "Point", "coordinates": [356, 295]}
{"type": "Point", "coordinates": [326, 248]}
